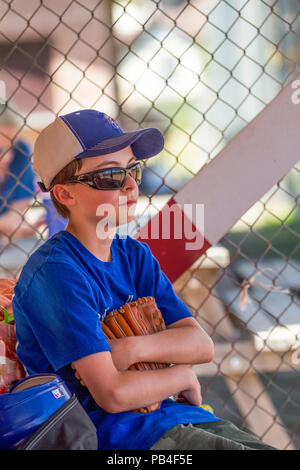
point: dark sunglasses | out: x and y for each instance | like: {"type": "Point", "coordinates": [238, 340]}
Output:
{"type": "Point", "coordinates": [109, 178]}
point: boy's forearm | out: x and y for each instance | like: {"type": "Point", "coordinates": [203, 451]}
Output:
{"type": "Point", "coordinates": [184, 345]}
{"type": "Point", "coordinates": [143, 388]}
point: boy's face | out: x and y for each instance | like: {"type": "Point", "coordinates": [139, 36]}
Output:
{"type": "Point", "coordinates": [90, 203]}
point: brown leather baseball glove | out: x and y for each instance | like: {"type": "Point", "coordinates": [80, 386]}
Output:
{"type": "Point", "coordinates": [141, 317]}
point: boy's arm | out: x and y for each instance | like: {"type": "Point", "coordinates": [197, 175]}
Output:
{"type": "Point", "coordinates": [116, 391]}
{"type": "Point", "coordinates": [183, 342]}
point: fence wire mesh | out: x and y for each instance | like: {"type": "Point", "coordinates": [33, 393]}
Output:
{"type": "Point", "coordinates": [200, 71]}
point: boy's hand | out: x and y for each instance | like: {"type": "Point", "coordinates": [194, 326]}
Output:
{"type": "Point", "coordinates": [182, 400]}
{"type": "Point", "coordinates": [192, 395]}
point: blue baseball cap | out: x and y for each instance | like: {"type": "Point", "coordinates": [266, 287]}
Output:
{"type": "Point", "coordinates": [87, 133]}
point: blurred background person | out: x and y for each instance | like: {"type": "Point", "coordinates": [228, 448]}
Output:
{"type": "Point", "coordinates": [17, 180]}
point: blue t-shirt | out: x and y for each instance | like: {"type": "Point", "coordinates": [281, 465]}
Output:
{"type": "Point", "coordinates": [61, 295]}
{"type": "Point", "coordinates": [19, 182]}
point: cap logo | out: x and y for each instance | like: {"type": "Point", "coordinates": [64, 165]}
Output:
{"type": "Point", "coordinates": [112, 121]}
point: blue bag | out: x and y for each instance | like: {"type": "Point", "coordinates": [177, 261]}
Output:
{"type": "Point", "coordinates": [40, 412]}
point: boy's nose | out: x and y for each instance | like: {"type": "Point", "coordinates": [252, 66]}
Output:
{"type": "Point", "coordinates": [129, 182]}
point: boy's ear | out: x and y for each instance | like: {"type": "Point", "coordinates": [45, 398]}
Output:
{"type": "Point", "coordinates": [63, 195]}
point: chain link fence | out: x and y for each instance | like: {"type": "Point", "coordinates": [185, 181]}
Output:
{"type": "Point", "coordinates": [200, 71]}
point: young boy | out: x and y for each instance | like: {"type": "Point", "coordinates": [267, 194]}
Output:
{"type": "Point", "coordinates": [85, 271]}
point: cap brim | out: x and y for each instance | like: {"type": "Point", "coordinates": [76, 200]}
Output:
{"type": "Point", "coordinates": [145, 143]}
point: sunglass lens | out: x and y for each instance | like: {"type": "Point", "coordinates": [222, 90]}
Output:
{"type": "Point", "coordinates": [110, 179]}
{"type": "Point", "coordinates": [114, 178]}
{"type": "Point", "coordinates": [136, 172]}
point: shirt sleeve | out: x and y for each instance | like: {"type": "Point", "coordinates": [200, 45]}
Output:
{"type": "Point", "coordinates": [61, 310]}
{"type": "Point", "coordinates": [153, 281]}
